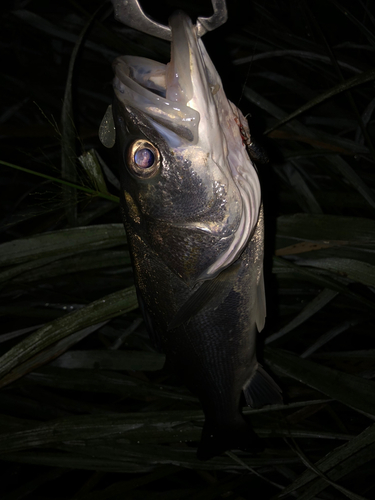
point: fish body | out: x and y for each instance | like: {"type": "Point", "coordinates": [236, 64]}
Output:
{"type": "Point", "coordinates": [191, 205]}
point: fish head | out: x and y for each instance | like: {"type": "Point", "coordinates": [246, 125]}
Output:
{"type": "Point", "coordinates": [189, 189]}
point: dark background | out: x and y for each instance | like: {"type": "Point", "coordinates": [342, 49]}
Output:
{"type": "Point", "coordinates": [318, 192]}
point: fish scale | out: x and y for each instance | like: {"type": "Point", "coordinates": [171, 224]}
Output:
{"type": "Point", "coordinates": [193, 217]}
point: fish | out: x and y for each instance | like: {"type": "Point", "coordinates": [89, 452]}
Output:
{"type": "Point", "coordinates": [192, 210]}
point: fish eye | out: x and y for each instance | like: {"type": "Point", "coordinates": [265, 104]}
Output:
{"type": "Point", "coordinates": [143, 159]}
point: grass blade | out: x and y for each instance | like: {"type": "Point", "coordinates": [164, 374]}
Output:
{"type": "Point", "coordinates": [336, 458]}
{"type": "Point", "coordinates": [311, 466]}
{"type": "Point", "coordinates": [107, 307]}
{"type": "Point", "coordinates": [348, 389]}
{"type": "Point", "coordinates": [63, 182]}
{"type": "Point", "coordinates": [324, 297]}
{"type": "Point", "coordinates": [60, 243]}
{"type": "Point", "coordinates": [365, 77]}
{"type": "Point", "coordinates": [111, 360]}
{"type": "Point", "coordinates": [47, 354]}
{"type": "Point", "coordinates": [69, 134]}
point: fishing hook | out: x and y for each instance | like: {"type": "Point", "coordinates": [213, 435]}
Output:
{"type": "Point", "coordinates": [130, 13]}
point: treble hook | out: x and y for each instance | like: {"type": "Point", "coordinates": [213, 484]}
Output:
{"type": "Point", "coordinates": [130, 13]}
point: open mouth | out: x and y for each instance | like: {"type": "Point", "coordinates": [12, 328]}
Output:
{"type": "Point", "coordinates": [141, 84]}
{"type": "Point", "coordinates": [175, 97]}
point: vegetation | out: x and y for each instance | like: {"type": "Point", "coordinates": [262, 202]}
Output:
{"type": "Point", "coordinates": [87, 410]}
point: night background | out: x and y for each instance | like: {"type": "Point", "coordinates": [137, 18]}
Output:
{"type": "Point", "coordinates": [87, 410]}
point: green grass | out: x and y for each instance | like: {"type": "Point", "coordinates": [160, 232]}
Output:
{"type": "Point", "coordinates": [87, 410]}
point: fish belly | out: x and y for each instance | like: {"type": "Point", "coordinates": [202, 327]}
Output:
{"type": "Point", "coordinates": [213, 352]}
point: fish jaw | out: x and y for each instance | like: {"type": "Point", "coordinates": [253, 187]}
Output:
{"type": "Point", "coordinates": [183, 108]}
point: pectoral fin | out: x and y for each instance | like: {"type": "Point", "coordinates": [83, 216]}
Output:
{"type": "Point", "coordinates": [260, 309]}
{"type": "Point", "coordinates": [210, 294]}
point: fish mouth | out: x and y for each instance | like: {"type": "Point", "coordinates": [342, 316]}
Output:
{"type": "Point", "coordinates": [162, 91]}
{"type": "Point", "coordinates": [177, 97]}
